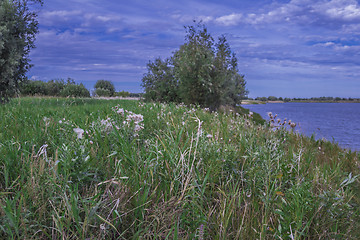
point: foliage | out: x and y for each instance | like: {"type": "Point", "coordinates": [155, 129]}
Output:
{"type": "Point", "coordinates": [74, 90]}
{"type": "Point", "coordinates": [18, 27]}
{"type": "Point", "coordinates": [104, 88]}
{"type": "Point", "coordinates": [202, 72]}
{"type": "Point", "coordinates": [101, 92]}
{"type": "Point", "coordinates": [55, 88]}
{"type": "Point", "coordinates": [122, 169]}
{"type": "Point", "coordinates": [123, 94]}
{"type": "Point", "coordinates": [160, 83]}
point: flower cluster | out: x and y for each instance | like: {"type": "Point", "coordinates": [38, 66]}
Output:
{"type": "Point", "coordinates": [277, 123]}
{"type": "Point", "coordinates": [131, 118]}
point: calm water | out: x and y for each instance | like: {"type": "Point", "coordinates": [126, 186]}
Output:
{"type": "Point", "coordinates": [338, 122]}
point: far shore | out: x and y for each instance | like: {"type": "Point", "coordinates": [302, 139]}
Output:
{"type": "Point", "coordinates": [248, 102]}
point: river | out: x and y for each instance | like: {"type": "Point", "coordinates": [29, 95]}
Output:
{"type": "Point", "coordinates": [339, 122]}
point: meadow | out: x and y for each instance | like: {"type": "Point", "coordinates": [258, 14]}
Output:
{"type": "Point", "coordinates": [123, 169]}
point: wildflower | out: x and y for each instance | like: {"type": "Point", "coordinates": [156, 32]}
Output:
{"type": "Point", "coordinates": [293, 125]}
{"type": "Point", "coordinates": [79, 132]}
{"type": "Point", "coordinates": [137, 118]}
{"type": "Point", "coordinates": [251, 114]}
{"type": "Point", "coordinates": [138, 128]}
{"type": "Point", "coordinates": [201, 232]}
{"type": "Point", "coordinates": [209, 136]}
{"type": "Point", "coordinates": [120, 111]}
{"type": "Point", "coordinates": [47, 121]}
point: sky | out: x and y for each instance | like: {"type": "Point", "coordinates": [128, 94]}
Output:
{"type": "Point", "coordinates": [293, 48]}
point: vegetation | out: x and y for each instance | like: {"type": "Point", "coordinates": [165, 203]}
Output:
{"type": "Point", "coordinates": [55, 88]}
{"type": "Point", "coordinates": [18, 27]}
{"type": "Point", "coordinates": [104, 88]}
{"type": "Point", "coordinates": [202, 72]}
{"type": "Point", "coordinates": [98, 169]}
{"type": "Point", "coordinates": [122, 94]}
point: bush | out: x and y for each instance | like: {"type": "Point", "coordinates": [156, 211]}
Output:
{"type": "Point", "coordinates": [105, 85]}
{"type": "Point", "coordinates": [202, 72]}
{"type": "Point", "coordinates": [34, 88]}
{"type": "Point", "coordinates": [101, 92]}
{"type": "Point", "coordinates": [73, 90]}
{"type": "Point", "coordinates": [55, 86]}
{"type": "Point", "coordinates": [122, 94]}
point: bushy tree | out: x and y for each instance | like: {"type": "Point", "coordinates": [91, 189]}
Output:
{"type": "Point", "coordinates": [104, 88]}
{"type": "Point", "coordinates": [123, 94]}
{"type": "Point", "coordinates": [201, 72]}
{"type": "Point", "coordinates": [32, 88]}
{"type": "Point", "coordinates": [159, 82]}
{"type": "Point", "coordinates": [54, 88]}
{"type": "Point", "coordinates": [74, 90]}
{"type": "Point", "coordinates": [18, 27]}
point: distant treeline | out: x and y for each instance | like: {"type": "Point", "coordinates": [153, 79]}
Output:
{"type": "Point", "coordinates": [68, 88]}
{"type": "Point", "coordinates": [313, 99]}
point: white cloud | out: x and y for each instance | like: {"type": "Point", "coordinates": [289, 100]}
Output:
{"type": "Point", "coordinates": [344, 10]}
{"type": "Point", "coordinates": [318, 12]}
{"type": "Point", "coordinates": [229, 20]}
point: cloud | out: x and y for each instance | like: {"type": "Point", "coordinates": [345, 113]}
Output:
{"type": "Point", "coordinates": [328, 14]}
{"type": "Point", "coordinates": [229, 20]}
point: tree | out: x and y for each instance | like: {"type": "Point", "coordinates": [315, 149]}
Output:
{"type": "Point", "coordinates": [159, 82]}
{"type": "Point", "coordinates": [201, 72]}
{"type": "Point", "coordinates": [192, 65]}
{"type": "Point", "coordinates": [104, 88]}
{"type": "Point", "coordinates": [18, 28]}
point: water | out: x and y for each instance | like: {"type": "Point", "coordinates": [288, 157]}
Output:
{"type": "Point", "coordinates": [339, 122]}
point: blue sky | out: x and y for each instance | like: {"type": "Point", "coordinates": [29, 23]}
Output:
{"type": "Point", "coordinates": [297, 48]}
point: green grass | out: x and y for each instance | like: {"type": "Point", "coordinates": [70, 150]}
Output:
{"type": "Point", "coordinates": [188, 174]}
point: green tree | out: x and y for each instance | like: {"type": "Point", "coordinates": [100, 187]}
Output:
{"type": "Point", "coordinates": [193, 63]}
{"type": "Point", "coordinates": [159, 82]}
{"type": "Point", "coordinates": [200, 72]}
{"type": "Point", "coordinates": [74, 90]}
{"type": "Point", "coordinates": [18, 28]}
{"type": "Point", "coordinates": [272, 98]}
{"type": "Point", "coordinates": [104, 88]}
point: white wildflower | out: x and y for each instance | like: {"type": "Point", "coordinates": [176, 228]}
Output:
{"type": "Point", "coordinates": [209, 136]}
{"type": "Point", "coordinates": [79, 132]}
{"type": "Point", "coordinates": [138, 128]}
{"type": "Point", "coordinates": [47, 121]}
{"type": "Point", "coordinates": [120, 111]}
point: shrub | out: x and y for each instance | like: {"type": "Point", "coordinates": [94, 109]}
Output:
{"type": "Point", "coordinates": [122, 94]}
{"type": "Point", "coordinates": [202, 72]}
{"type": "Point", "coordinates": [101, 92]}
{"type": "Point", "coordinates": [34, 88]}
{"type": "Point", "coordinates": [55, 86]}
{"type": "Point", "coordinates": [105, 85]}
{"type": "Point", "coordinates": [73, 90]}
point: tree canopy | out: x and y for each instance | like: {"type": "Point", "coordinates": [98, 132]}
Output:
{"type": "Point", "coordinates": [104, 88]}
{"type": "Point", "coordinates": [18, 28]}
{"type": "Point", "coordinates": [201, 72]}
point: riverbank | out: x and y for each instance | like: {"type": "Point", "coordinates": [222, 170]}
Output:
{"type": "Point", "coordinates": [123, 169]}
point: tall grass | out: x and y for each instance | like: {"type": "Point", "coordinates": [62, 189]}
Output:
{"type": "Point", "coordinates": [188, 174]}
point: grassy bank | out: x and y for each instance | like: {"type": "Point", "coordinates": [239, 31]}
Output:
{"type": "Point", "coordinates": [120, 169]}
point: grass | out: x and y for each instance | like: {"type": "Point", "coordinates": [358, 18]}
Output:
{"type": "Point", "coordinates": [185, 173]}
